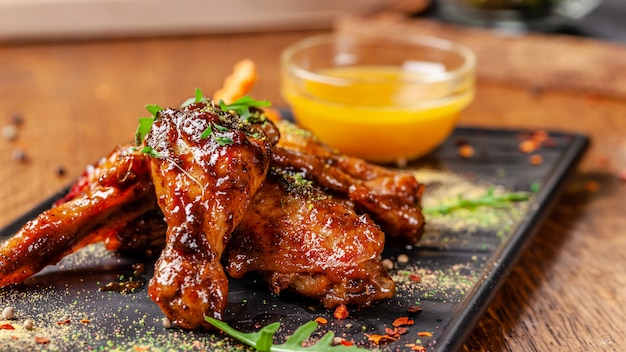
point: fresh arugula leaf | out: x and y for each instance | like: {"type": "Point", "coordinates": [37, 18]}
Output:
{"type": "Point", "coordinates": [224, 141]}
{"type": "Point", "coordinates": [145, 124]}
{"type": "Point", "coordinates": [151, 152]}
{"type": "Point", "coordinates": [198, 98]}
{"type": "Point", "coordinates": [263, 340]}
{"type": "Point", "coordinates": [154, 109]}
{"type": "Point", "coordinates": [489, 199]}
{"type": "Point", "coordinates": [221, 128]}
{"type": "Point", "coordinates": [207, 132]}
{"type": "Point", "coordinates": [242, 105]}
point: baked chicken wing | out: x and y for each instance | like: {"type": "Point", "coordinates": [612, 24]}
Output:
{"type": "Point", "coordinates": [302, 239]}
{"type": "Point", "coordinates": [206, 166]}
{"type": "Point", "coordinates": [117, 190]}
{"type": "Point", "coordinates": [391, 198]}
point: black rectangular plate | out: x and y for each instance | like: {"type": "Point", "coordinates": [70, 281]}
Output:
{"type": "Point", "coordinates": [451, 275]}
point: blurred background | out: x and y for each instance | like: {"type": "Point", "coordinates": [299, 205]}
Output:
{"type": "Point", "coordinates": [62, 19]}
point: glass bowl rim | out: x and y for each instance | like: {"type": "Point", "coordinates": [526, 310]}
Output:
{"type": "Point", "coordinates": [466, 68]}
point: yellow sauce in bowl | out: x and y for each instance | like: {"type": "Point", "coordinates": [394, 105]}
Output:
{"type": "Point", "coordinates": [384, 113]}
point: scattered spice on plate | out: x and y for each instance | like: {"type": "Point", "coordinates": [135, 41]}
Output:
{"type": "Point", "coordinates": [466, 151]}
{"type": "Point", "coordinates": [378, 339]}
{"type": "Point", "coordinates": [341, 312]}
{"type": "Point", "coordinates": [415, 347]}
{"type": "Point", "coordinates": [528, 146]}
{"type": "Point", "coordinates": [41, 340]}
{"type": "Point", "coordinates": [535, 159]}
{"type": "Point", "coordinates": [64, 322]}
{"type": "Point", "coordinates": [7, 326]}
{"type": "Point", "coordinates": [402, 321]}
{"type": "Point", "coordinates": [414, 309]}
{"type": "Point", "coordinates": [321, 320]}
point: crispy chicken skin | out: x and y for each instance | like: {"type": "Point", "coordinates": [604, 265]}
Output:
{"type": "Point", "coordinates": [115, 191]}
{"type": "Point", "coordinates": [204, 184]}
{"type": "Point", "coordinates": [315, 223]}
{"type": "Point", "coordinates": [391, 198]}
{"type": "Point", "coordinates": [302, 239]}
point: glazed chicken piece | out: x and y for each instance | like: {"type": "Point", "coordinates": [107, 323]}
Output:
{"type": "Point", "coordinates": [112, 193]}
{"type": "Point", "coordinates": [302, 239]}
{"type": "Point", "coordinates": [204, 184]}
{"type": "Point", "coordinates": [391, 198]}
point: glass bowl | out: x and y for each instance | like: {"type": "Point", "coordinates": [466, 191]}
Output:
{"type": "Point", "coordinates": [381, 98]}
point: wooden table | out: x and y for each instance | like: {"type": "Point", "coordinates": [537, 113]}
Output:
{"type": "Point", "coordinates": [73, 101]}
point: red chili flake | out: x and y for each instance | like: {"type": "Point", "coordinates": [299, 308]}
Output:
{"type": "Point", "coordinates": [321, 320]}
{"type": "Point", "coordinates": [402, 330]}
{"type": "Point", "coordinates": [377, 339]}
{"type": "Point", "coordinates": [341, 312]}
{"type": "Point", "coordinates": [84, 321]}
{"type": "Point", "coordinates": [42, 340]}
{"type": "Point", "coordinates": [391, 332]}
{"type": "Point", "coordinates": [141, 348]}
{"type": "Point", "coordinates": [415, 278]}
{"type": "Point", "coordinates": [528, 146]}
{"type": "Point", "coordinates": [13, 337]}
{"type": "Point", "coordinates": [536, 159]}
{"type": "Point", "coordinates": [540, 136]}
{"type": "Point", "coordinates": [346, 343]}
{"type": "Point", "coordinates": [402, 321]}
{"type": "Point", "coordinates": [63, 322]}
{"type": "Point", "coordinates": [7, 326]}
{"type": "Point", "coordinates": [466, 151]}
{"type": "Point", "coordinates": [424, 334]}
{"type": "Point", "coordinates": [418, 348]}
{"type": "Point", "coordinates": [414, 309]}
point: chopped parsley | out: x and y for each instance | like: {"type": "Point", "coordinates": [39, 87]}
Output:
{"type": "Point", "coordinates": [145, 124]}
{"type": "Point", "coordinates": [223, 140]}
{"type": "Point", "coordinates": [207, 132]}
{"type": "Point", "coordinates": [242, 106]}
{"type": "Point", "coordinates": [154, 109]}
{"type": "Point", "coordinates": [151, 152]}
{"type": "Point", "coordinates": [198, 98]}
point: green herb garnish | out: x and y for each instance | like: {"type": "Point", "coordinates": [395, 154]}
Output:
{"type": "Point", "coordinates": [154, 109]}
{"type": "Point", "coordinates": [242, 106]}
{"type": "Point", "coordinates": [151, 152]}
{"type": "Point", "coordinates": [263, 340]}
{"type": "Point", "coordinates": [198, 98]}
{"type": "Point", "coordinates": [223, 141]}
{"type": "Point", "coordinates": [207, 132]}
{"type": "Point", "coordinates": [145, 124]}
{"type": "Point", "coordinates": [489, 199]}
{"type": "Point", "coordinates": [221, 128]}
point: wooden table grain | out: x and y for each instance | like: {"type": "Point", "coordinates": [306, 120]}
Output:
{"type": "Point", "coordinates": [69, 103]}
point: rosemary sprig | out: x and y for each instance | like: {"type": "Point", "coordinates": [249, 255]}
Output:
{"type": "Point", "coordinates": [263, 340]}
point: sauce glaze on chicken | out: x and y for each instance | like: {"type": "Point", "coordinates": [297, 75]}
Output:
{"type": "Point", "coordinates": [212, 189]}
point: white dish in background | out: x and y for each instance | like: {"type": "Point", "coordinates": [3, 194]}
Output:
{"type": "Point", "coordinates": [44, 19]}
